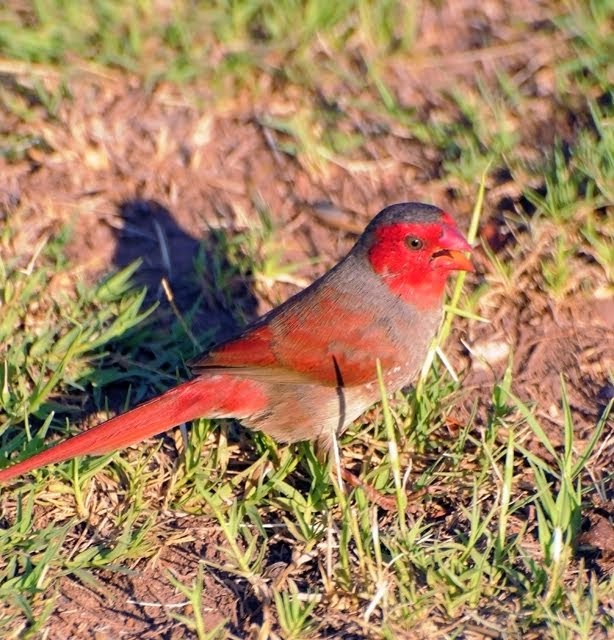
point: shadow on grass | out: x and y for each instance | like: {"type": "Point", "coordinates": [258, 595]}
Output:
{"type": "Point", "coordinates": [197, 269]}
{"type": "Point", "coordinates": [202, 295]}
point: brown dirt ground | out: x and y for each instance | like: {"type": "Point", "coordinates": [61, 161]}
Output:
{"type": "Point", "coordinates": [122, 167]}
{"type": "Point", "coordinates": [138, 602]}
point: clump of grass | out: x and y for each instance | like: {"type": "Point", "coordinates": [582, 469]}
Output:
{"type": "Point", "coordinates": [574, 208]}
{"type": "Point", "coordinates": [52, 338]}
{"type": "Point", "coordinates": [225, 43]}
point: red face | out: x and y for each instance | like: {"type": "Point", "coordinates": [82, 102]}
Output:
{"type": "Point", "coordinates": [415, 259]}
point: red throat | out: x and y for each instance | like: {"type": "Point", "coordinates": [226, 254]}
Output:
{"type": "Point", "coordinates": [419, 277]}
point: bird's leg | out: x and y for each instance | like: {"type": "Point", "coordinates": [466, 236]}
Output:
{"type": "Point", "coordinates": [389, 503]}
{"type": "Point", "coordinates": [327, 453]}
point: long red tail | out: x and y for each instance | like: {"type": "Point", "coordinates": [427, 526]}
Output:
{"type": "Point", "coordinates": [216, 396]}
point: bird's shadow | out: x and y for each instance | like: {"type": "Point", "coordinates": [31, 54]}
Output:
{"type": "Point", "coordinates": [200, 294]}
{"type": "Point", "coordinates": [195, 268]}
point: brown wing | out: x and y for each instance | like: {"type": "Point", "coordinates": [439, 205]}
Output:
{"type": "Point", "coordinates": [325, 343]}
{"type": "Point", "coordinates": [249, 355]}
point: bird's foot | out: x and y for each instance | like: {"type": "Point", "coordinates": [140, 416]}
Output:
{"type": "Point", "coordinates": [388, 503]}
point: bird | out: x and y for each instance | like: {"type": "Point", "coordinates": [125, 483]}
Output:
{"type": "Point", "coordinates": [308, 368]}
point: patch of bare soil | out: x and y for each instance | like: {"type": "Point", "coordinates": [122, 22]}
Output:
{"type": "Point", "coordinates": [139, 601]}
{"type": "Point", "coordinates": [573, 343]}
{"type": "Point", "coordinates": [145, 175]}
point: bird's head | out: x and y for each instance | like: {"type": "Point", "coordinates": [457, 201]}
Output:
{"type": "Point", "coordinates": [414, 247]}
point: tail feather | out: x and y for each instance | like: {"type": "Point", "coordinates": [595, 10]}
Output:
{"type": "Point", "coordinates": [218, 396]}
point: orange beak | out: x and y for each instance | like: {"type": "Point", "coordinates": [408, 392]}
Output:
{"type": "Point", "coordinates": [451, 252]}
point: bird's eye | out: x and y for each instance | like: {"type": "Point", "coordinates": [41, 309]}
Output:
{"type": "Point", "coordinates": [414, 243]}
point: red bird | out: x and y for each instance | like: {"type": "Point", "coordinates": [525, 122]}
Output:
{"type": "Point", "coordinates": [307, 369]}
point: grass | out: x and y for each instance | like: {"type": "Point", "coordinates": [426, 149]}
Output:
{"type": "Point", "coordinates": [487, 540]}
{"type": "Point", "coordinates": [58, 347]}
{"type": "Point", "coordinates": [178, 43]}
